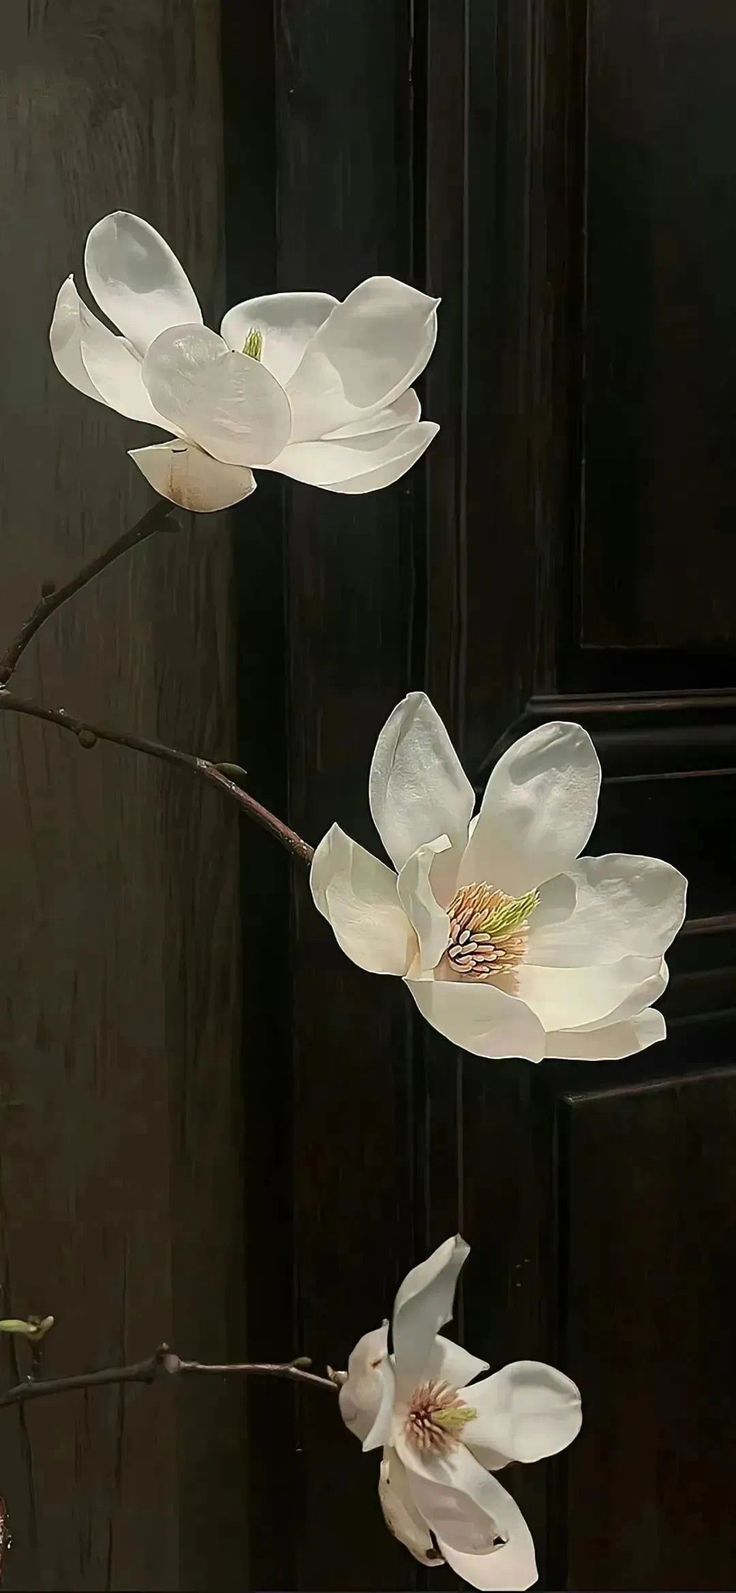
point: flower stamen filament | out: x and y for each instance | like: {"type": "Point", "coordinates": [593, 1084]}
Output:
{"type": "Point", "coordinates": [436, 1417]}
{"type": "Point", "coordinates": [487, 930]}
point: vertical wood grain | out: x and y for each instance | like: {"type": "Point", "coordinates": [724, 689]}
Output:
{"type": "Point", "coordinates": [345, 197]}
{"type": "Point", "coordinates": [660, 475]}
{"type": "Point", "coordinates": [119, 1092]}
{"type": "Point", "coordinates": [651, 1175]}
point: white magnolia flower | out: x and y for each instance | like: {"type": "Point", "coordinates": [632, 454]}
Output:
{"type": "Point", "coordinates": [442, 1440]}
{"type": "Point", "coordinates": [298, 383]}
{"type": "Point", "coordinates": [510, 943]}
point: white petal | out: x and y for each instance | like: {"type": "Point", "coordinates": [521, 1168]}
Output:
{"type": "Point", "coordinates": [611, 1042]}
{"type": "Point", "coordinates": [400, 1512]}
{"type": "Point", "coordinates": [383, 1421]}
{"type": "Point", "coordinates": [137, 280]}
{"type": "Point", "coordinates": [356, 464]}
{"type": "Point", "coordinates": [480, 1018]}
{"type": "Point", "coordinates": [364, 356]}
{"type": "Point", "coordinates": [538, 810]}
{"type": "Point", "coordinates": [66, 341]}
{"type": "Point", "coordinates": [418, 789]}
{"type": "Point", "coordinates": [463, 1504]}
{"type": "Point", "coordinates": [490, 1458]}
{"type": "Point", "coordinates": [509, 1568]}
{"type": "Point", "coordinates": [228, 403]}
{"type": "Point", "coordinates": [406, 409]}
{"type": "Point", "coordinates": [525, 1412]}
{"type": "Point", "coordinates": [357, 895]}
{"type": "Point", "coordinates": [450, 1363]}
{"type": "Point", "coordinates": [361, 1395]}
{"type": "Point", "coordinates": [287, 321]}
{"type": "Point", "coordinates": [606, 908]}
{"type": "Point", "coordinates": [417, 898]}
{"type": "Point", "coordinates": [115, 370]}
{"type": "Point", "coordinates": [638, 997]}
{"type": "Point", "coordinates": [565, 998]}
{"type": "Point", "coordinates": [182, 472]}
{"type": "Point", "coordinates": [422, 1306]}
{"type": "Point", "coordinates": [97, 362]}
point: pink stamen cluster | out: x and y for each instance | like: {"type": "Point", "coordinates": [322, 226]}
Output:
{"type": "Point", "coordinates": [423, 1429]}
{"type": "Point", "coordinates": [473, 953]}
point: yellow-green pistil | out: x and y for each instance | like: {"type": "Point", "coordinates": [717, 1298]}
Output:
{"type": "Point", "coordinates": [488, 930]}
{"type": "Point", "coordinates": [436, 1417]}
{"type": "Point", "coordinates": [253, 345]}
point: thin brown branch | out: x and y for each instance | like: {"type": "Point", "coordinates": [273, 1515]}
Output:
{"type": "Point", "coordinates": [164, 1363]}
{"type": "Point", "coordinates": [88, 734]}
{"type": "Point", "coordinates": [52, 597]}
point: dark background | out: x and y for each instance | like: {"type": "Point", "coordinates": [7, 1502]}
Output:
{"type": "Point", "coordinates": [196, 1089]}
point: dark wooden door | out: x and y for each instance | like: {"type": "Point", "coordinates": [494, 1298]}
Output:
{"type": "Point", "coordinates": [120, 1148]}
{"type": "Point", "coordinates": [561, 173]}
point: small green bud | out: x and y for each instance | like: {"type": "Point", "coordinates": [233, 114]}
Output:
{"type": "Point", "coordinates": [35, 1328]}
{"type": "Point", "coordinates": [234, 772]}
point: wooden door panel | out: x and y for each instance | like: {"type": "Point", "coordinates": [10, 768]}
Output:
{"type": "Point", "coordinates": [120, 1151]}
{"type": "Point", "coordinates": [650, 1191]}
{"type": "Point", "coordinates": [659, 524]}
{"type": "Point", "coordinates": [566, 551]}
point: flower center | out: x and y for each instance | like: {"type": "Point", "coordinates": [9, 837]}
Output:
{"type": "Point", "coordinates": [436, 1417]}
{"type": "Point", "coordinates": [488, 930]}
{"type": "Point", "coordinates": [253, 345]}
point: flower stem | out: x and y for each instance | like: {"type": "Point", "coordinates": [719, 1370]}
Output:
{"type": "Point", "coordinates": [215, 774]}
{"type": "Point", "coordinates": [52, 597]}
{"type": "Point", "coordinates": [88, 734]}
{"type": "Point", "coordinates": [162, 1364]}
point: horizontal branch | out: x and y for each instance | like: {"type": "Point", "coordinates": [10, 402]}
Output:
{"type": "Point", "coordinates": [164, 1363]}
{"type": "Point", "coordinates": [88, 734]}
{"type": "Point", "coordinates": [52, 597]}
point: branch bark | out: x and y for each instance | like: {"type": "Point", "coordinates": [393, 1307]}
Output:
{"type": "Point", "coordinates": [88, 734]}
{"type": "Point", "coordinates": [53, 597]}
{"type": "Point", "coordinates": [165, 1363]}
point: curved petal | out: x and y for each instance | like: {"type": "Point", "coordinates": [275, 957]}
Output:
{"type": "Point", "coordinates": [402, 412]}
{"type": "Point", "coordinates": [182, 472]}
{"type": "Point", "coordinates": [228, 403]}
{"type": "Point", "coordinates": [361, 1394]}
{"type": "Point", "coordinates": [137, 279]}
{"type": "Point", "coordinates": [491, 1459]}
{"type": "Point", "coordinates": [480, 1018]}
{"type": "Point", "coordinates": [383, 1421]}
{"type": "Point", "coordinates": [565, 998]}
{"type": "Point", "coordinates": [429, 921]}
{"type": "Point", "coordinates": [463, 1504]}
{"type": "Point", "coordinates": [422, 1306]}
{"type": "Point", "coordinates": [357, 464]}
{"type": "Point", "coordinates": [418, 789]}
{"type": "Point", "coordinates": [450, 1363]}
{"type": "Point", "coordinates": [610, 1043]}
{"type": "Point", "coordinates": [65, 337]}
{"type": "Point", "coordinates": [371, 348]}
{"type": "Point", "coordinates": [115, 370]}
{"type": "Point", "coordinates": [400, 1512]}
{"type": "Point", "coordinates": [357, 895]}
{"type": "Point", "coordinates": [618, 905]}
{"type": "Point", "coordinates": [636, 999]}
{"type": "Point", "coordinates": [511, 1567]}
{"type": "Point", "coordinates": [526, 1411]}
{"type": "Point", "coordinates": [287, 322]}
{"type": "Point", "coordinates": [538, 810]}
